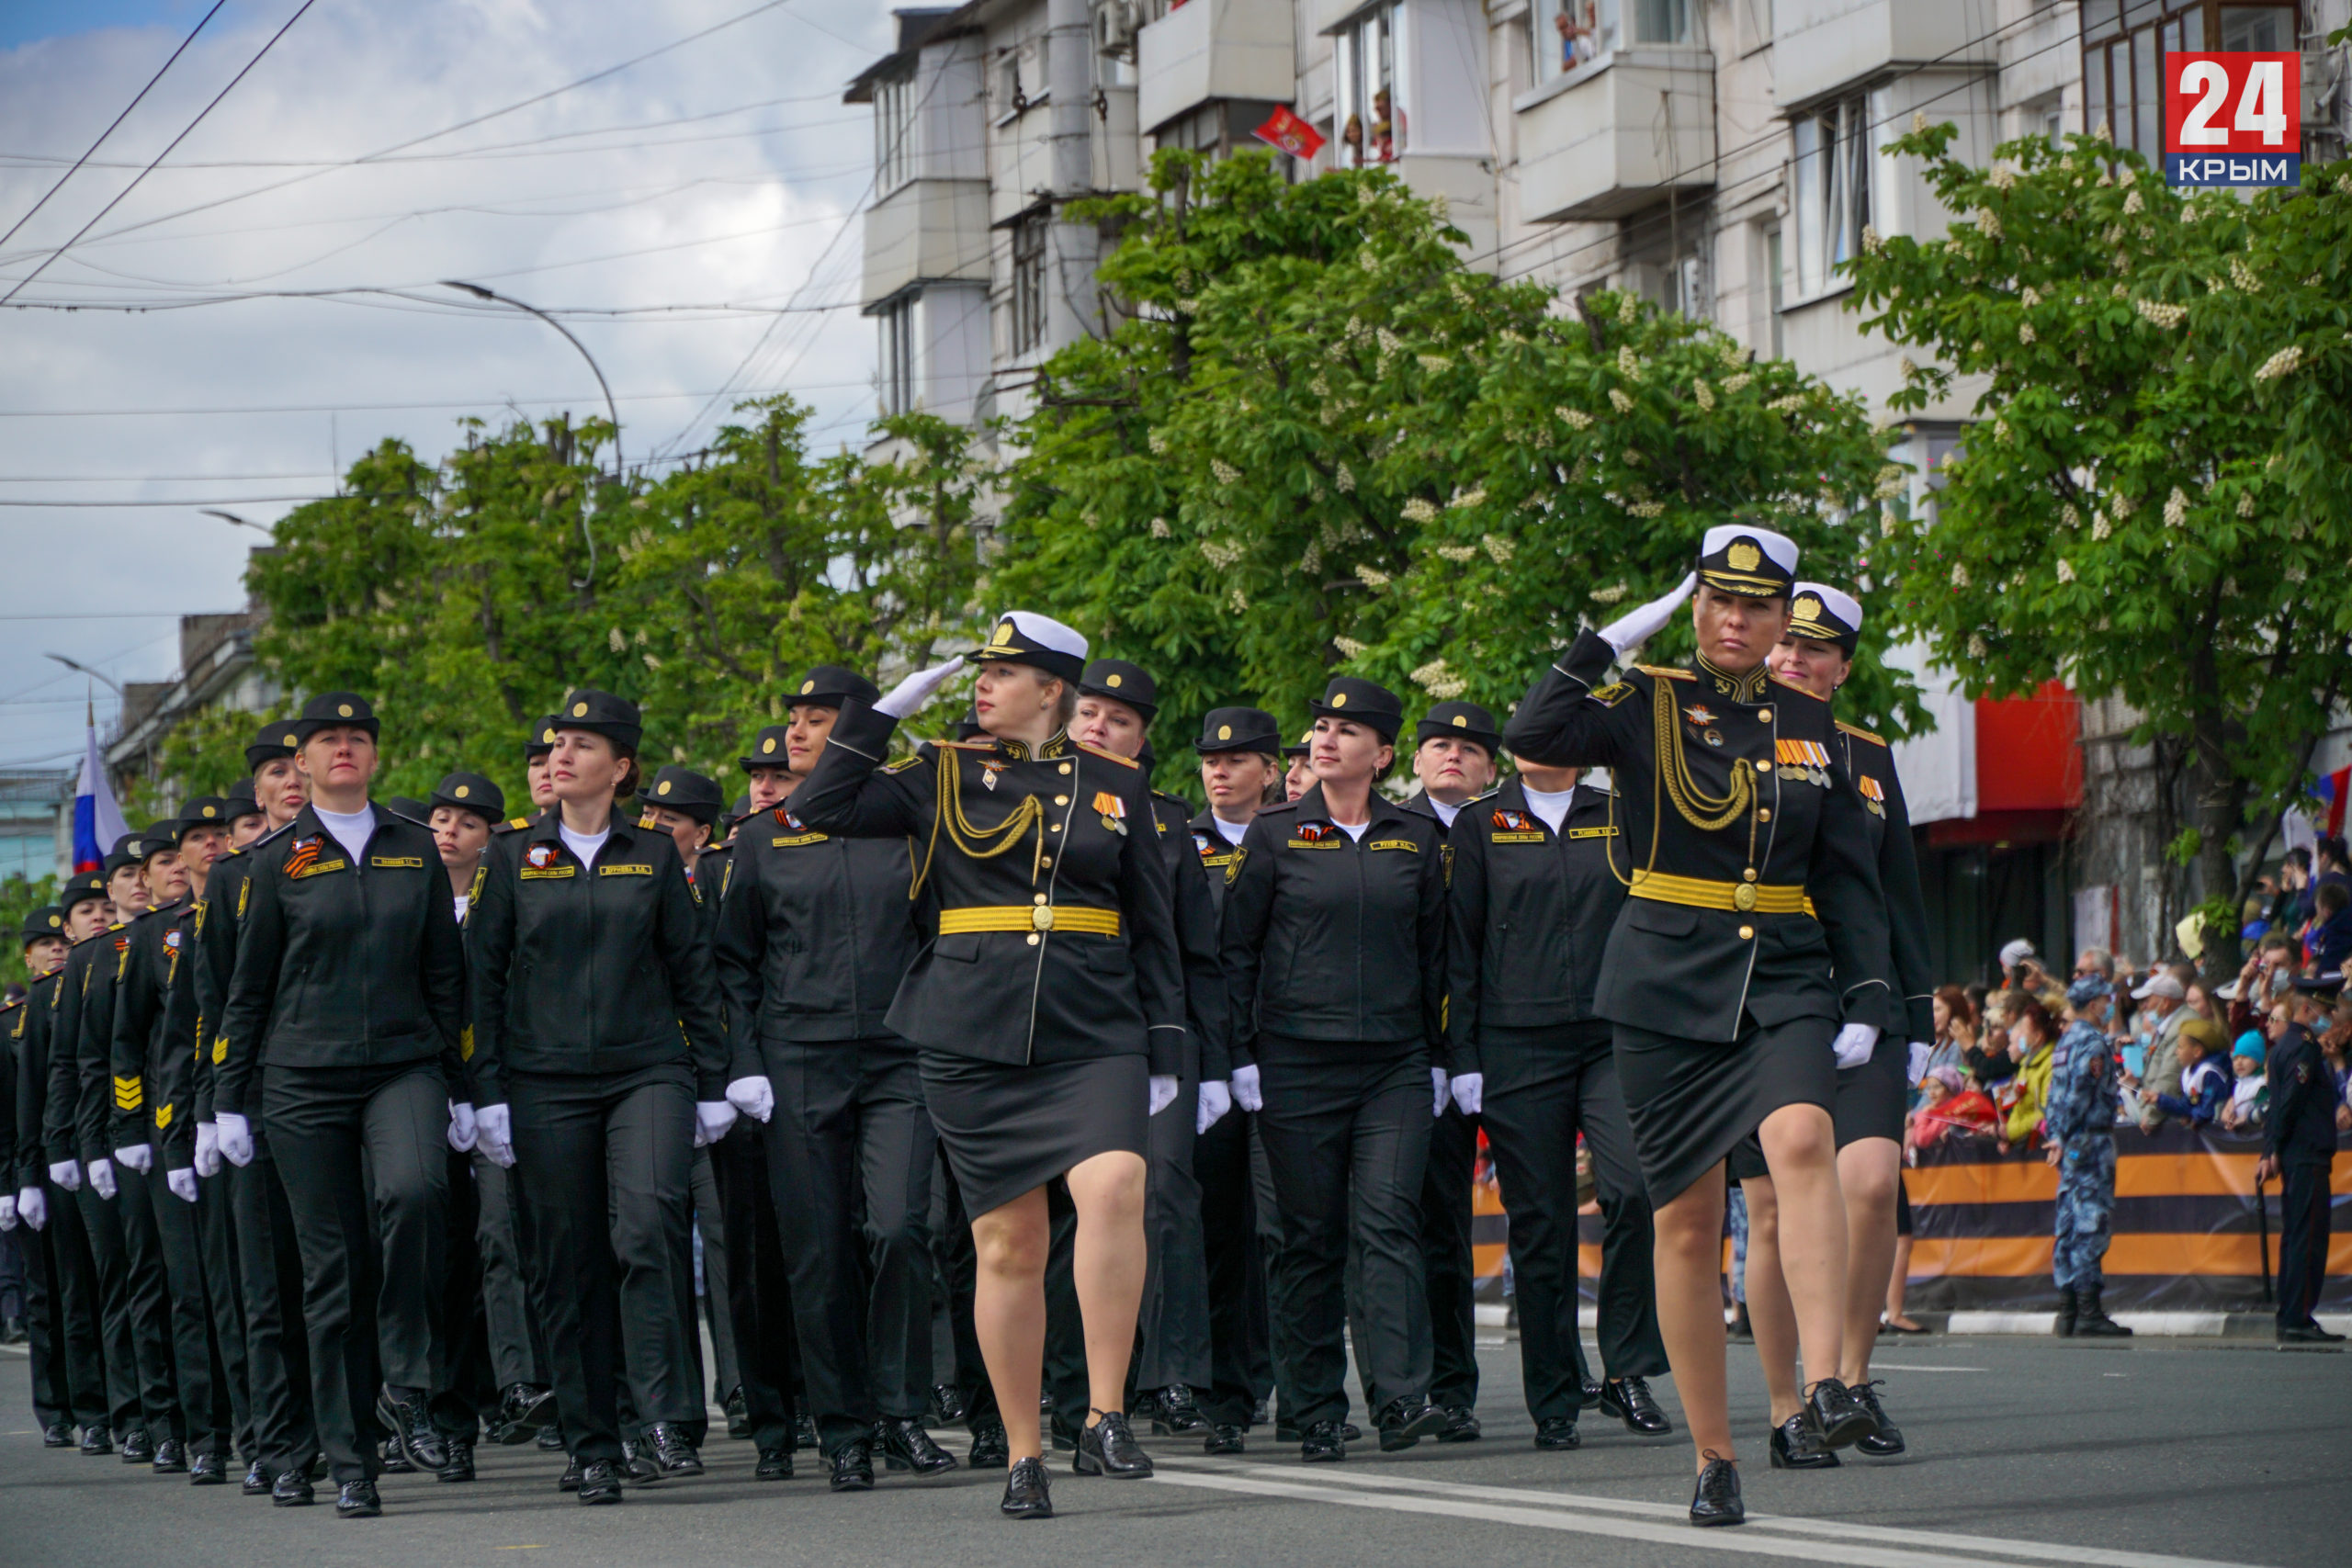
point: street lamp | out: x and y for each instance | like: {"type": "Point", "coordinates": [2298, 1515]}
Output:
{"type": "Point", "coordinates": [85, 669]}
{"type": "Point", "coordinates": [232, 518]}
{"type": "Point", "coordinates": [479, 292]}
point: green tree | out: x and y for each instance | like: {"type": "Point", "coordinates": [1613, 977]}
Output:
{"type": "Point", "coordinates": [2155, 503]}
{"type": "Point", "coordinates": [19, 897]}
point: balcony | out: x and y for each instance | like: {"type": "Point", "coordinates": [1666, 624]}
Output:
{"type": "Point", "coordinates": [1208, 50]}
{"type": "Point", "coordinates": [1819, 45]}
{"type": "Point", "coordinates": [926, 232]}
{"type": "Point", "coordinates": [1614, 136]}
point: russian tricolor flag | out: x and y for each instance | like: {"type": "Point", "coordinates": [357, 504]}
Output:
{"type": "Point", "coordinates": [97, 821]}
{"type": "Point", "coordinates": [2332, 789]}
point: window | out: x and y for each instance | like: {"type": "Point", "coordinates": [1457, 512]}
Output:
{"type": "Point", "coordinates": [1569, 33]}
{"type": "Point", "coordinates": [897, 321]}
{"type": "Point", "coordinates": [1773, 262]}
{"type": "Point", "coordinates": [1029, 282]}
{"type": "Point", "coordinates": [894, 134]}
{"type": "Point", "coordinates": [1831, 202]}
{"type": "Point", "coordinates": [1370, 108]}
{"type": "Point", "coordinates": [2124, 42]}
{"type": "Point", "coordinates": [1011, 101]}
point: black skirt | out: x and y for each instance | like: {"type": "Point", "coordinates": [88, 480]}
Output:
{"type": "Point", "coordinates": [1692, 1102]}
{"type": "Point", "coordinates": [1871, 1098]}
{"type": "Point", "coordinates": [1007, 1129]}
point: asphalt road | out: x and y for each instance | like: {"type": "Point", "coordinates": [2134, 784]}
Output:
{"type": "Point", "coordinates": [2149, 1454]}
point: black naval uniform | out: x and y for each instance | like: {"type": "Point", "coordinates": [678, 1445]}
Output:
{"type": "Point", "coordinates": [1752, 880]}
{"type": "Point", "coordinates": [511, 1304]}
{"type": "Point", "coordinates": [1533, 909]}
{"type": "Point", "coordinates": [596, 1020]}
{"type": "Point", "coordinates": [62, 1306]}
{"type": "Point", "coordinates": [341, 1025]}
{"type": "Point", "coordinates": [1335, 969]}
{"type": "Point", "coordinates": [1873, 1097]}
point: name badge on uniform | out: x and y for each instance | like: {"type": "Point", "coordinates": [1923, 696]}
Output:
{"type": "Point", "coordinates": [1112, 810]}
{"type": "Point", "coordinates": [1392, 844]}
{"type": "Point", "coordinates": [393, 862]}
{"type": "Point", "coordinates": [624, 871]}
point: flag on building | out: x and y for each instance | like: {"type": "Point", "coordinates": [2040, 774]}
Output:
{"type": "Point", "coordinates": [1292, 134]}
{"type": "Point", "coordinates": [97, 821]}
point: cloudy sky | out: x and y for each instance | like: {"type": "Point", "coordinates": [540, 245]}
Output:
{"type": "Point", "coordinates": [383, 148]}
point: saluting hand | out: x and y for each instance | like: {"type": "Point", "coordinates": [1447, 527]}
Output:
{"type": "Point", "coordinates": [910, 694]}
{"type": "Point", "coordinates": [1634, 628]}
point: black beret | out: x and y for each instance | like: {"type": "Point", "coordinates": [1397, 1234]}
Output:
{"type": "Point", "coordinates": [81, 890]}
{"type": "Point", "coordinates": [1122, 683]}
{"type": "Point", "coordinates": [159, 838]}
{"type": "Point", "coordinates": [240, 802]}
{"type": "Point", "coordinates": [471, 792]}
{"type": "Point", "coordinates": [1463, 721]}
{"type": "Point", "coordinates": [49, 921]}
{"type": "Point", "coordinates": [767, 748]}
{"type": "Point", "coordinates": [1348, 696]}
{"type": "Point", "coordinates": [601, 713]}
{"type": "Point", "coordinates": [541, 740]}
{"type": "Point", "coordinates": [1238, 729]}
{"type": "Point", "coordinates": [274, 740]}
{"type": "Point", "coordinates": [207, 811]}
{"type": "Point", "coordinates": [683, 789]}
{"type": "Point", "coordinates": [831, 685]}
{"type": "Point", "coordinates": [329, 710]}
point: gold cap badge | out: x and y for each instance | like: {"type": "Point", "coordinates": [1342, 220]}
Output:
{"type": "Point", "coordinates": [1114, 681]}
{"type": "Point", "coordinates": [807, 687]}
{"type": "Point", "coordinates": [1225, 732]}
{"type": "Point", "coordinates": [579, 710]}
{"type": "Point", "coordinates": [1743, 556]}
{"type": "Point", "coordinates": [1340, 701]}
{"type": "Point", "coordinates": [661, 788]}
{"type": "Point", "coordinates": [342, 710]}
{"type": "Point", "coordinates": [1460, 721]}
{"type": "Point", "coordinates": [461, 791]}
{"type": "Point", "coordinates": [767, 746]}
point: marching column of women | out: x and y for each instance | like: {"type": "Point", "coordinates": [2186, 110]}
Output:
{"type": "Point", "coordinates": [349, 1134]}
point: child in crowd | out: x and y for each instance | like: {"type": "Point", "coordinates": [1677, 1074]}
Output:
{"type": "Point", "coordinates": [2204, 1088]}
{"type": "Point", "coordinates": [2250, 1095]}
{"type": "Point", "coordinates": [1946, 1105]}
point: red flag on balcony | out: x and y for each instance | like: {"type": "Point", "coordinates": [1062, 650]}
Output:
{"type": "Point", "coordinates": [1292, 134]}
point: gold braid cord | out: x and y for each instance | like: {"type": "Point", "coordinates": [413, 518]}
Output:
{"type": "Point", "coordinates": [972, 839]}
{"type": "Point", "coordinates": [1707, 813]}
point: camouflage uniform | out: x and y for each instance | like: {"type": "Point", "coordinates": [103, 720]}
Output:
{"type": "Point", "coordinates": [2080, 1117]}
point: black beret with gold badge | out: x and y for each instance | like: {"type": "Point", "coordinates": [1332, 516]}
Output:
{"type": "Point", "coordinates": [471, 792]}
{"type": "Point", "coordinates": [601, 713]}
{"type": "Point", "coordinates": [330, 710]}
{"type": "Point", "coordinates": [1122, 683]}
{"type": "Point", "coordinates": [1350, 696]}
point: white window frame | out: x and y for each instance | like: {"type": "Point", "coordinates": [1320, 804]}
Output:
{"type": "Point", "coordinates": [1832, 191]}
{"type": "Point", "coordinates": [1032, 261]}
{"type": "Point", "coordinates": [1605, 27]}
{"type": "Point", "coordinates": [1367, 56]}
{"type": "Point", "coordinates": [894, 134]}
{"type": "Point", "coordinates": [895, 377]}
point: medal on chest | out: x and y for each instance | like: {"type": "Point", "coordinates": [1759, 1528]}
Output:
{"type": "Point", "coordinates": [1112, 810]}
{"type": "Point", "coordinates": [988, 771]}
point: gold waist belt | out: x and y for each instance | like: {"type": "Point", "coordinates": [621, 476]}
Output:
{"type": "Point", "coordinates": [1031, 917]}
{"type": "Point", "coordinates": [1741, 897]}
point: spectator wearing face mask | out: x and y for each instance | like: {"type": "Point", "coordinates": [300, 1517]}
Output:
{"type": "Point", "coordinates": [2160, 1001]}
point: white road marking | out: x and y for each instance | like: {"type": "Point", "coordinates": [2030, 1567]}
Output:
{"type": "Point", "coordinates": [1920, 1366]}
{"type": "Point", "coordinates": [1886, 1546]}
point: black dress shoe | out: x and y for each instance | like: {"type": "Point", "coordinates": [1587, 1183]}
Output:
{"type": "Point", "coordinates": [96, 1441]}
{"type": "Point", "coordinates": [1838, 1414]}
{"type": "Point", "coordinates": [904, 1445]}
{"type": "Point", "coordinates": [1224, 1441]}
{"type": "Point", "coordinates": [1321, 1443]}
{"type": "Point", "coordinates": [600, 1482]}
{"type": "Point", "coordinates": [138, 1448]}
{"type": "Point", "coordinates": [1026, 1495]}
{"type": "Point", "coordinates": [1350, 1431]}
{"type": "Point", "coordinates": [1741, 1331]}
{"type": "Point", "coordinates": [1175, 1412]}
{"type": "Point", "coordinates": [670, 1449]}
{"type": "Point", "coordinates": [550, 1437]}
{"type": "Point", "coordinates": [946, 1405]}
{"type": "Point", "coordinates": [739, 1414]}
{"type": "Point", "coordinates": [257, 1480]}
{"type": "Point", "coordinates": [523, 1409]}
{"type": "Point", "coordinates": [291, 1489]}
{"type": "Point", "coordinates": [357, 1500]}
{"type": "Point", "coordinates": [1406, 1422]}
{"type": "Point", "coordinates": [775, 1464]}
{"type": "Point", "coordinates": [1887, 1441]}
{"type": "Point", "coordinates": [1109, 1447]}
{"type": "Point", "coordinates": [409, 1421]}
{"type": "Point", "coordinates": [853, 1466]}
{"type": "Point", "coordinates": [171, 1457]}
{"type": "Point", "coordinates": [390, 1460]}
{"type": "Point", "coordinates": [1589, 1395]}
{"type": "Point", "coordinates": [1630, 1400]}
{"type": "Point", "coordinates": [460, 1466]}
{"type": "Point", "coordinates": [1796, 1445]}
{"type": "Point", "coordinates": [2306, 1334]}
{"type": "Point", "coordinates": [1557, 1433]}
{"type": "Point", "coordinates": [1716, 1499]}
{"type": "Point", "coordinates": [804, 1432]}
{"type": "Point", "coordinates": [990, 1449]}
{"type": "Point", "coordinates": [207, 1470]}
{"type": "Point", "coordinates": [57, 1435]}
{"type": "Point", "coordinates": [570, 1480]}
{"type": "Point", "coordinates": [636, 1466]}
{"type": "Point", "coordinates": [1461, 1425]}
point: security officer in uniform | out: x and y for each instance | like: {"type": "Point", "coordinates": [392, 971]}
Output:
{"type": "Point", "coordinates": [342, 1027]}
{"type": "Point", "coordinates": [63, 1307]}
{"type": "Point", "coordinates": [2079, 1122]}
{"type": "Point", "coordinates": [817, 932]}
{"type": "Point", "coordinates": [1751, 958]}
{"type": "Point", "coordinates": [2299, 1148]}
{"type": "Point", "coordinates": [1453, 759]}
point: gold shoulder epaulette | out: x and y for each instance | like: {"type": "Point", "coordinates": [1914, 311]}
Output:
{"type": "Point", "coordinates": [965, 745]}
{"type": "Point", "coordinates": [901, 765]}
{"type": "Point", "coordinates": [1788, 685]}
{"type": "Point", "coordinates": [1665, 671]}
{"type": "Point", "coordinates": [1106, 756]}
{"type": "Point", "coordinates": [1861, 734]}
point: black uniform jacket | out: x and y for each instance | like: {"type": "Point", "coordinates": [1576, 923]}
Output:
{"type": "Point", "coordinates": [1695, 952]}
{"type": "Point", "coordinates": [61, 1079]}
{"type": "Point", "coordinates": [341, 962]}
{"type": "Point", "coordinates": [2300, 1128]}
{"type": "Point", "coordinates": [1206, 1055]}
{"type": "Point", "coordinates": [12, 1019]}
{"type": "Point", "coordinates": [1332, 938]}
{"type": "Point", "coordinates": [142, 1106]}
{"type": "Point", "coordinates": [1870, 764]}
{"type": "Point", "coordinates": [1056, 940]}
{"type": "Point", "coordinates": [1531, 913]}
{"type": "Point", "coordinates": [180, 1069]}
{"type": "Point", "coordinates": [815, 932]}
{"type": "Point", "coordinates": [222, 906]}
{"type": "Point", "coordinates": [80, 1048]}
{"type": "Point", "coordinates": [1220, 863]}
{"type": "Point", "coordinates": [707, 881]}
{"type": "Point", "coordinates": [29, 1030]}
{"type": "Point", "coordinates": [602, 968]}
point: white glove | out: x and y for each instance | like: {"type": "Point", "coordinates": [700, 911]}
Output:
{"type": "Point", "coordinates": [1215, 1100]}
{"type": "Point", "coordinates": [7, 1212]}
{"type": "Point", "coordinates": [140, 1157]}
{"type": "Point", "coordinates": [1917, 1069]}
{"type": "Point", "coordinates": [463, 1129]}
{"type": "Point", "coordinates": [208, 1149]}
{"type": "Point", "coordinates": [712, 1120]}
{"type": "Point", "coordinates": [32, 1207]}
{"type": "Point", "coordinates": [102, 1178]}
{"type": "Point", "coordinates": [1246, 1092]}
{"type": "Point", "coordinates": [66, 1176]}
{"type": "Point", "coordinates": [494, 1135]}
{"type": "Point", "coordinates": [910, 694]}
{"type": "Point", "coordinates": [754, 1096]}
{"type": "Point", "coordinates": [1854, 1044]}
{"type": "Point", "coordinates": [182, 1182]}
{"type": "Point", "coordinates": [1163, 1092]}
{"type": "Point", "coordinates": [1633, 629]}
{"type": "Point", "coordinates": [236, 1137]}
{"type": "Point", "coordinates": [1437, 1084]}
{"type": "Point", "coordinates": [1469, 1091]}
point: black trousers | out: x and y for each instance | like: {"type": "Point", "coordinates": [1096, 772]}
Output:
{"type": "Point", "coordinates": [2303, 1227]}
{"type": "Point", "coordinates": [1172, 1330]}
{"type": "Point", "coordinates": [147, 1293]}
{"type": "Point", "coordinates": [278, 1350]}
{"type": "Point", "coordinates": [1240, 1369]}
{"type": "Point", "coordinates": [710, 1225]}
{"type": "Point", "coordinates": [63, 1313]}
{"type": "Point", "coordinates": [606, 1163]}
{"type": "Point", "coordinates": [469, 1388]}
{"type": "Point", "coordinates": [517, 1353]}
{"type": "Point", "coordinates": [758, 1286]}
{"type": "Point", "coordinates": [372, 1244]}
{"type": "Point", "coordinates": [110, 1264]}
{"type": "Point", "coordinates": [1449, 1275]}
{"type": "Point", "coordinates": [1565, 1082]}
{"type": "Point", "coordinates": [224, 1300]}
{"type": "Point", "coordinates": [849, 1154]}
{"type": "Point", "coordinates": [1347, 1135]}
{"type": "Point", "coordinates": [205, 1410]}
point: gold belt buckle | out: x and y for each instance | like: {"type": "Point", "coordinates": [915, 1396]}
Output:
{"type": "Point", "coordinates": [1041, 918]}
{"type": "Point", "coordinates": [1743, 897]}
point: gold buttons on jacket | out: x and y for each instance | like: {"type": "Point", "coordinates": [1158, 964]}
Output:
{"type": "Point", "coordinates": [1763, 814]}
{"type": "Point", "coordinates": [1061, 800]}
{"type": "Point", "coordinates": [1764, 714]}
{"type": "Point", "coordinates": [1033, 938]}
{"type": "Point", "coordinates": [1748, 933]}
{"type": "Point", "coordinates": [1749, 873]}
{"type": "Point", "coordinates": [1064, 768]}
{"type": "Point", "coordinates": [1041, 897]}
{"type": "Point", "coordinates": [1763, 765]}
{"type": "Point", "coordinates": [1053, 828]}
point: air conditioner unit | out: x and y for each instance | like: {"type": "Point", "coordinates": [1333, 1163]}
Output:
{"type": "Point", "coordinates": [1115, 23]}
